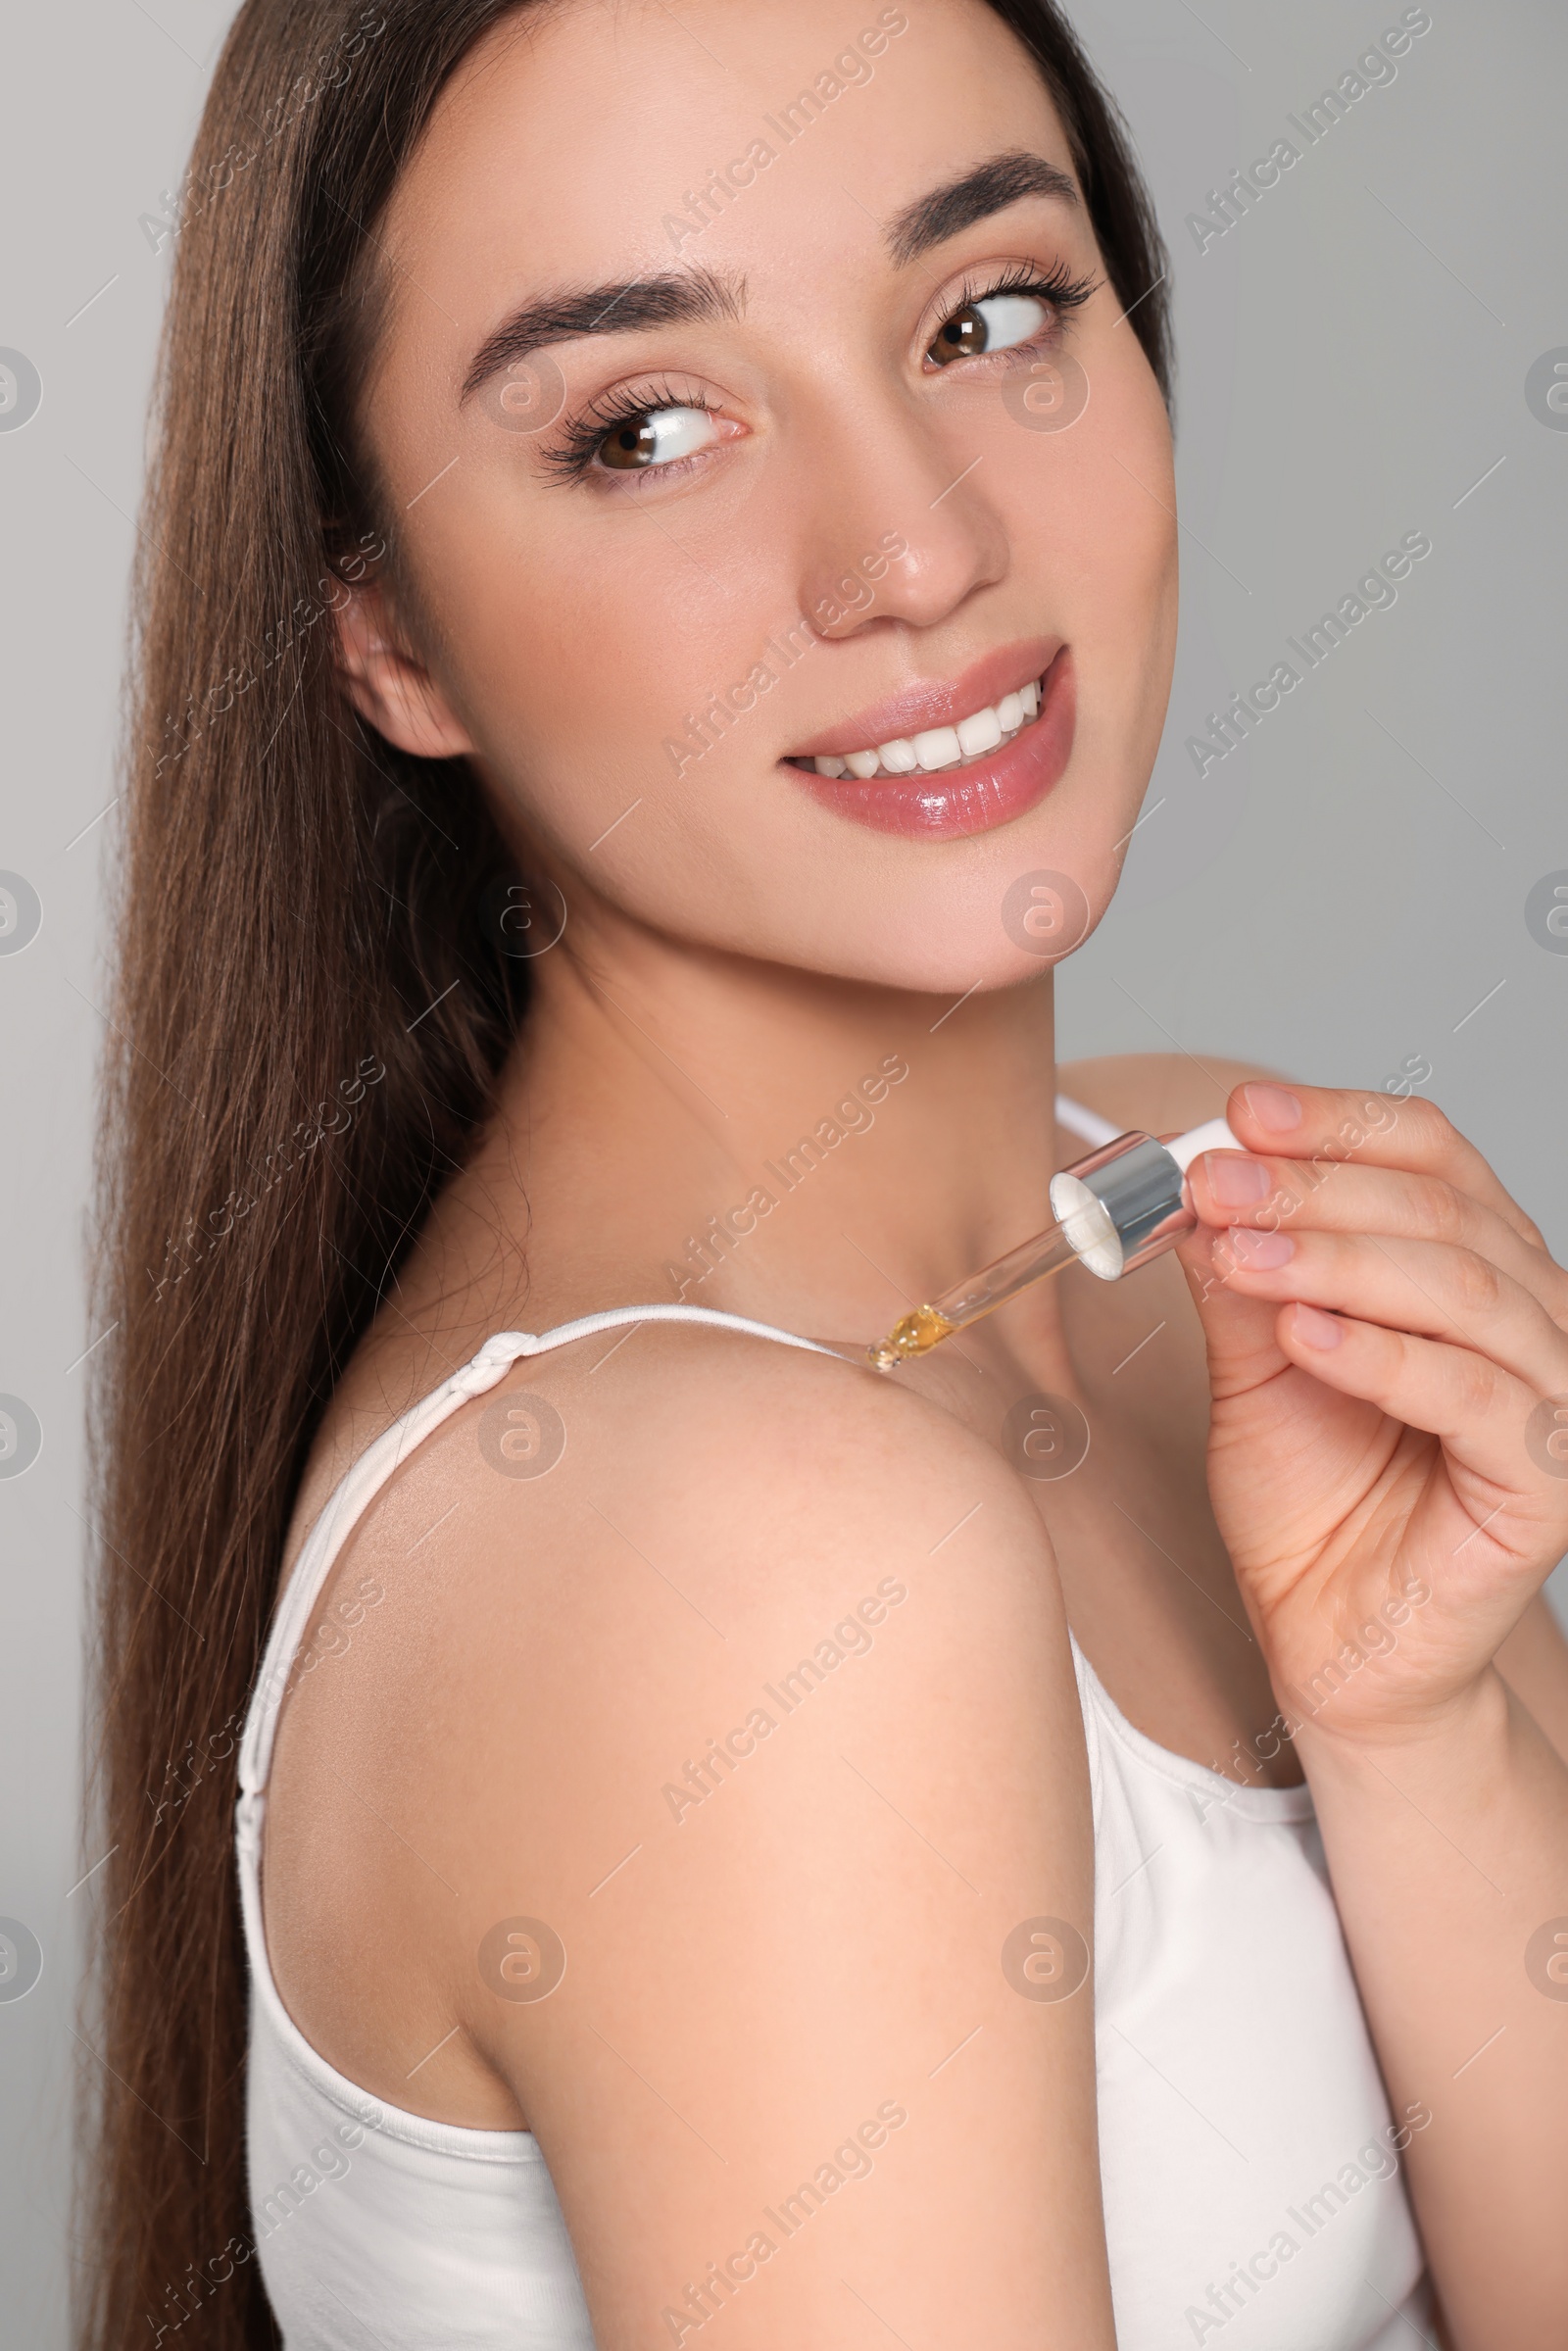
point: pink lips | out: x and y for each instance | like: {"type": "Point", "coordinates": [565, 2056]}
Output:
{"type": "Point", "coordinates": [972, 799]}
{"type": "Point", "coordinates": [934, 702]}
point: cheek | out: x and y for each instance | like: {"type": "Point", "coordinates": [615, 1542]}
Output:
{"type": "Point", "coordinates": [1099, 541]}
{"type": "Point", "coordinates": [1125, 555]}
{"type": "Point", "coordinates": [577, 653]}
{"type": "Point", "coordinates": [1118, 516]}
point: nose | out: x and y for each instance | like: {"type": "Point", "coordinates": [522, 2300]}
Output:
{"type": "Point", "coordinates": [901, 526]}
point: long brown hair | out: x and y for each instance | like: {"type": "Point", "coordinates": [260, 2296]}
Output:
{"type": "Point", "coordinates": [310, 1005]}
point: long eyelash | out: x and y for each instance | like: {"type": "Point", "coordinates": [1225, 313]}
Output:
{"type": "Point", "coordinates": [1055, 285]}
{"type": "Point", "coordinates": [578, 439]}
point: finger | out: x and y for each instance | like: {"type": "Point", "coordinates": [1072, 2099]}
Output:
{"type": "Point", "coordinates": [1423, 1287]}
{"type": "Point", "coordinates": [1483, 1415]}
{"type": "Point", "coordinates": [1239, 1331]}
{"type": "Point", "coordinates": [1232, 1187]}
{"type": "Point", "coordinates": [1321, 1124]}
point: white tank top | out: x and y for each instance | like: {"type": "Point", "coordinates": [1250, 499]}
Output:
{"type": "Point", "coordinates": [1250, 2167]}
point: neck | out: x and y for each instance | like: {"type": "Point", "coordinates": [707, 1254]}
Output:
{"type": "Point", "coordinates": [811, 1152]}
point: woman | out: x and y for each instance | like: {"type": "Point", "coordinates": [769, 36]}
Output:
{"type": "Point", "coordinates": [660, 605]}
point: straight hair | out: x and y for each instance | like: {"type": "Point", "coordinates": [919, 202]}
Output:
{"type": "Point", "coordinates": [311, 1005]}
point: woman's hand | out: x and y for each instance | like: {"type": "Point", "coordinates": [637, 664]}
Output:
{"type": "Point", "coordinates": [1388, 1349]}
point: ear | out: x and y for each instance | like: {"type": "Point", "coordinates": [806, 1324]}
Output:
{"type": "Point", "coordinates": [388, 686]}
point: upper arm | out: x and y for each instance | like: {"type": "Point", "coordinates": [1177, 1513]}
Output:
{"type": "Point", "coordinates": [779, 1733]}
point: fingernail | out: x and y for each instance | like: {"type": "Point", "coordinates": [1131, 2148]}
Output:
{"type": "Point", "coordinates": [1234, 1182]}
{"type": "Point", "coordinates": [1273, 1108]}
{"type": "Point", "coordinates": [1263, 1251]}
{"type": "Point", "coordinates": [1318, 1330]}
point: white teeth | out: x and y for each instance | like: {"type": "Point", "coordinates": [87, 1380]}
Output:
{"type": "Point", "coordinates": [936, 748]}
{"type": "Point", "coordinates": [939, 746]}
{"type": "Point", "coordinates": [982, 732]}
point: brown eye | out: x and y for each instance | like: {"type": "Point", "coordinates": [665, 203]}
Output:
{"type": "Point", "coordinates": [964, 335]}
{"type": "Point", "coordinates": [629, 447]}
{"type": "Point", "coordinates": [655, 438]}
{"type": "Point", "coordinates": [993, 324]}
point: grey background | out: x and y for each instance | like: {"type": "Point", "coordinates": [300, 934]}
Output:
{"type": "Point", "coordinates": [1336, 897]}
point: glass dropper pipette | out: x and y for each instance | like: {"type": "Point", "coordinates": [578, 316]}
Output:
{"type": "Point", "coordinates": [1114, 1210]}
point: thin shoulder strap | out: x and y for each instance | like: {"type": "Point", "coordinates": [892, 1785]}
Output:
{"type": "Point", "coordinates": [363, 1480]}
{"type": "Point", "coordinates": [365, 1477]}
{"type": "Point", "coordinates": [1086, 1122]}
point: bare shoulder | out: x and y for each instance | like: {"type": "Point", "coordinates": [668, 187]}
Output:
{"type": "Point", "coordinates": [721, 1731]}
{"type": "Point", "coordinates": [615, 1523]}
{"type": "Point", "coordinates": [648, 1518]}
{"type": "Point", "coordinates": [1158, 1092]}
{"type": "Point", "coordinates": [715, 1438]}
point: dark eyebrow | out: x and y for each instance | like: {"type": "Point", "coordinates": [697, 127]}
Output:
{"type": "Point", "coordinates": [988, 188]}
{"type": "Point", "coordinates": [616, 308]}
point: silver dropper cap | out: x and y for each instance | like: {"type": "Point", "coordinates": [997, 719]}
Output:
{"type": "Point", "coordinates": [1124, 1203]}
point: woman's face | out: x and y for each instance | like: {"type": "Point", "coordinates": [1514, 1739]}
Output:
{"type": "Point", "coordinates": [752, 391]}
